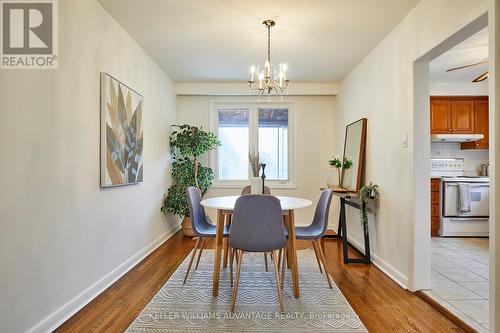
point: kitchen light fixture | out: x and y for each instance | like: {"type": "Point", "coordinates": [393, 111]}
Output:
{"type": "Point", "coordinates": [270, 78]}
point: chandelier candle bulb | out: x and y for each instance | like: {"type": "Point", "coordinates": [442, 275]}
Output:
{"type": "Point", "coordinates": [252, 72]}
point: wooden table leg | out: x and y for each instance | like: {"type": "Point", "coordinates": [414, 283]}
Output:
{"type": "Point", "coordinates": [218, 250]}
{"type": "Point", "coordinates": [292, 250]}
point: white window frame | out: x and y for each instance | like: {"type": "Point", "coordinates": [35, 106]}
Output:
{"type": "Point", "coordinates": [253, 124]}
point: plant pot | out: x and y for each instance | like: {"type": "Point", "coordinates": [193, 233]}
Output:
{"type": "Point", "coordinates": [256, 185]}
{"type": "Point", "coordinates": [332, 177]}
{"type": "Point", "coordinates": [187, 230]}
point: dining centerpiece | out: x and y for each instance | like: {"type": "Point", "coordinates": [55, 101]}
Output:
{"type": "Point", "coordinates": [187, 144]}
{"type": "Point", "coordinates": [255, 180]}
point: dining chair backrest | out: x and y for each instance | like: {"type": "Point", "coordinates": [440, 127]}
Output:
{"type": "Point", "coordinates": [257, 224]}
{"type": "Point", "coordinates": [248, 190]}
{"type": "Point", "coordinates": [321, 213]}
{"type": "Point", "coordinates": [196, 211]}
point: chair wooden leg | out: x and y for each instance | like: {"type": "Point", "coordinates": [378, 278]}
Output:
{"type": "Point", "coordinates": [239, 257]}
{"type": "Point", "coordinates": [278, 285]}
{"type": "Point", "coordinates": [199, 253]}
{"type": "Point", "coordinates": [323, 260]}
{"type": "Point", "coordinates": [231, 259]}
{"type": "Point", "coordinates": [317, 258]}
{"type": "Point", "coordinates": [265, 260]}
{"type": "Point", "coordinates": [279, 258]}
{"type": "Point", "coordinates": [283, 268]}
{"type": "Point", "coordinates": [287, 258]}
{"type": "Point", "coordinates": [225, 245]}
{"type": "Point", "coordinates": [191, 260]}
{"type": "Point", "coordinates": [227, 221]}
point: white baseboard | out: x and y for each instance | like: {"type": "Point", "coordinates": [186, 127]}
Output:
{"type": "Point", "coordinates": [383, 265]}
{"type": "Point", "coordinates": [58, 317]}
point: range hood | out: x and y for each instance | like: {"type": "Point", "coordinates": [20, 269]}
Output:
{"type": "Point", "coordinates": [457, 138]}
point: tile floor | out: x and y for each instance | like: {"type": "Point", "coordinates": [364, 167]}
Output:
{"type": "Point", "coordinates": [459, 280]}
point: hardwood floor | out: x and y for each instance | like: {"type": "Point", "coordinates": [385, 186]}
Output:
{"type": "Point", "coordinates": [382, 305]}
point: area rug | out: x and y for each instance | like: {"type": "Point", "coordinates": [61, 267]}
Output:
{"type": "Point", "coordinates": [191, 307]}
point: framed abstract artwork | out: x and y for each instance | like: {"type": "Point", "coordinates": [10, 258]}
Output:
{"type": "Point", "coordinates": [121, 133]}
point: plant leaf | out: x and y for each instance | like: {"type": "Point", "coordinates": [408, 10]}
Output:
{"type": "Point", "coordinates": [128, 106]}
{"type": "Point", "coordinates": [140, 175]}
{"type": "Point", "coordinates": [114, 148]}
{"type": "Point", "coordinates": [114, 172]}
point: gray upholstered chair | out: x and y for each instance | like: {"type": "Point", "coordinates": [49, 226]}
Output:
{"type": "Point", "coordinates": [315, 231]}
{"type": "Point", "coordinates": [248, 190]}
{"type": "Point", "coordinates": [201, 226]}
{"type": "Point", "coordinates": [257, 226]}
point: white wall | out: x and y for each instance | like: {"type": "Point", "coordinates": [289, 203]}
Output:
{"type": "Point", "coordinates": [381, 89]}
{"type": "Point", "coordinates": [60, 233]}
{"type": "Point", "coordinates": [316, 140]}
{"type": "Point", "coordinates": [459, 88]}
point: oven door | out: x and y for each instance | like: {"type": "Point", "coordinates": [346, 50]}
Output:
{"type": "Point", "coordinates": [479, 200]}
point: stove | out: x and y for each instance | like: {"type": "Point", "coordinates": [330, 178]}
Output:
{"type": "Point", "coordinates": [453, 221]}
{"type": "Point", "coordinates": [465, 179]}
{"type": "Point", "coordinates": [453, 170]}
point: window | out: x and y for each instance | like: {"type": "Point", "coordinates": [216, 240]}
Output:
{"type": "Point", "coordinates": [233, 152]}
{"type": "Point", "coordinates": [273, 142]}
{"type": "Point", "coordinates": [251, 128]}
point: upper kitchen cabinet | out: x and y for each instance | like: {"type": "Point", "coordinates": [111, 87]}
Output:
{"type": "Point", "coordinates": [481, 124]}
{"type": "Point", "coordinates": [462, 117]}
{"type": "Point", "coordinates": [440, 116]}
{"type": "Point", "coordinates": [452, 115]}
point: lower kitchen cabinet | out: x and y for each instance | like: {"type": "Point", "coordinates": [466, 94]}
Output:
{"type": "Point", "coordinates": [434, 207]}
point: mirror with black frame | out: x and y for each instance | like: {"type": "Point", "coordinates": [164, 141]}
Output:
{"type": "Point", "coordinates": [353, 158]}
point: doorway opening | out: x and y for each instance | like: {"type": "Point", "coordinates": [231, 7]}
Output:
{"type": "Point", "coordinates": [450, 252]}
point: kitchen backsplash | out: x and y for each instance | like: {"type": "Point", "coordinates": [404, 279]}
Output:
{"type": "Point", "coordinates": [473, 158]}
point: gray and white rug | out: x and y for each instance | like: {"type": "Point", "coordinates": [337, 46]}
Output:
{"type": "Point", "coordinates": [191, 307]}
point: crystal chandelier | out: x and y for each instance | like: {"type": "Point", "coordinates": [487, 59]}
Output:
{"type": "Point", "coordinates": [269, 78]}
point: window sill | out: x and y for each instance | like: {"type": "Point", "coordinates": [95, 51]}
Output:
{"type": "Point", "coordinates": [240, 185]}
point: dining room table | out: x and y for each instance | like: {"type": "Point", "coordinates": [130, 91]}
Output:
{"type": "Point", "coordinates": [225, 206]}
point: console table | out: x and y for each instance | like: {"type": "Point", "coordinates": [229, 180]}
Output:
{"type": "Point", "coordinates": [350, 199]}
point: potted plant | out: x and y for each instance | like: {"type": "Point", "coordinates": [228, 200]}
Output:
{"type": "Point", "coordinates": [187, 144]}
{"type": "Point", "coordinates": [255, 181]}
{"type": "Point", "coordinates": [336, 163]}
{"type": "Point", "coordinates": [366, 194]}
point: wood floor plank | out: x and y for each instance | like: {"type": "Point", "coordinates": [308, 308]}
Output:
{"type": "Point", "coordinates": [381, 303]}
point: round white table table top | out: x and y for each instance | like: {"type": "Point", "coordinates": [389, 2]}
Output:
{"type": "Point", "coordinates": [227, 203]}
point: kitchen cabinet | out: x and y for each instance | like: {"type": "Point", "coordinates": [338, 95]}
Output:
{"type": "Point", "coordinates": [434, 207]}
{"type": "Point", "coordinates": [481, 125]}
{"type": "Point", "coordinates": [462, 117]}
{"type": "Point", "coordinates": [440, 116]}
{"type": "Point", "coordinates": [452, 115]}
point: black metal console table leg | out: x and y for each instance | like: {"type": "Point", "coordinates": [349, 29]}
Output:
{"type": "Point", "coordinates": [342, 234]}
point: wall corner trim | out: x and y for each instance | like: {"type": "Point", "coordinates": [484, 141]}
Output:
{"type": "Point", "coordinates": [66, 311]}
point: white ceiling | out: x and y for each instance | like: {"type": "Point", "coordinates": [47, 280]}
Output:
{"type": "Point", "coordinates": [218, 40]}
{"type": "Point", "coordinates": [470, 51]}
